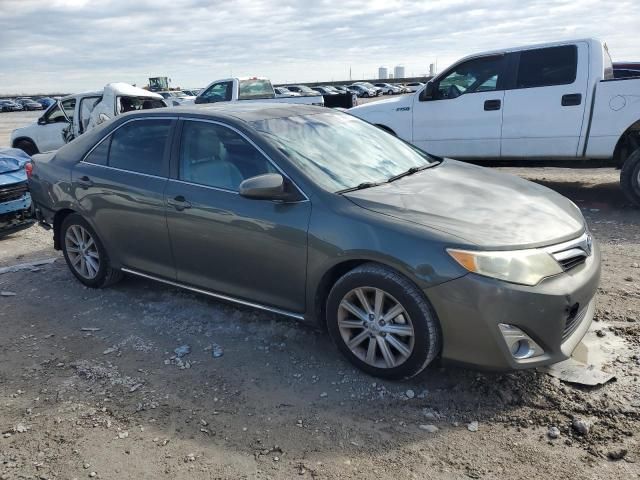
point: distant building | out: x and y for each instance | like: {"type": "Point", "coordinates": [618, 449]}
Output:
{"type": "Point", "coordinates": [432, 70]}
{"type": "Point", "coordinates": [398, 71]}
{"type": "Point", "coordinates": [383, 73]}
{"type": "Point", "coordinates": [391, 76]}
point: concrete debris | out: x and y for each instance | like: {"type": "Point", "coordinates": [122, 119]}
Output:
{"type": "Point", "coordinates": [473, 426]}
{"type": "Point", "coordinates": [429, 428]}
{"type": "Point", "coordinates": [410, 394]}
{"type": "Point", "coordinates": [135, 387]}
{"type": "Point", "coordinates": [182, 350]}
{"type": "Point", "coordinates": [553, 433]}
{"type": "Point", "coordinates": [617, 454]}
{"type": "Point", "coordinates": [216, 350]}
{"type": "Point", "coordinates": [573, 371]}
{"type": "Point", "coordinates": [581, 426]}
{"type": "Point", "coordinates": [27, 266]}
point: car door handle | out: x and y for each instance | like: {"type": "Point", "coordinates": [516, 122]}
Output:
{"type": "Point", "coordinates": [571, 99]}
{"type": "Point", "coordinates": [84, 182]}
{"type": "Point", "coordinates": [179, 203]}
{"type": "Point", "coordinates": [492, 105]}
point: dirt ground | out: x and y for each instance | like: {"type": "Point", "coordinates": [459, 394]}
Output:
{"type": "Point", "coordinates": [90, 385]}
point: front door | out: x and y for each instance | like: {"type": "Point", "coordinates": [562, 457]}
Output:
{"type": "Point", "coordinates": [464, 117]}
{"type": "Point", "coordinates": [120, 187]}
{"type": "Point", "coordinates": [52, 125]}
{"type": "Point", "coordinates": [222, 242]}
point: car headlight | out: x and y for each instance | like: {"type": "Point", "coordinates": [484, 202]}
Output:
{"type": "Point", "coordinates": [526, 267]}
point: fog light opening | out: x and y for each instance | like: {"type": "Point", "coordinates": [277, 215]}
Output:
{"type": "Point", "coordinates": [521, 349]}
{"type": "Point", "coordinates": [520, 345]}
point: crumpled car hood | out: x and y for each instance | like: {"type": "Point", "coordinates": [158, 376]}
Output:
{"type": "Point", "coordinates": [12, 162]}
{"type": "Point", "coordinates": [487, 208]}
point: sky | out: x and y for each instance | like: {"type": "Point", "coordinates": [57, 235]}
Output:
{"type": "Point", "coordinates": [75, 45]}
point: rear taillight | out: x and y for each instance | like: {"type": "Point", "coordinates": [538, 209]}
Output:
{"type": "Point", "coordinates": [28, 168]}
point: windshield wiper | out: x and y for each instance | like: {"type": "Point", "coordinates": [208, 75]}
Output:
{"type": "Point", "coordinates": [361, 186]}
{"type": "Point", "coordinates": [406, 173]}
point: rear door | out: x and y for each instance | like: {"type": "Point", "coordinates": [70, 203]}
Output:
{"type": "Point", "coordinates": [545, 108]}
{"type": "Point", "coordinates": [120, 187]}
{"type": "Point", "coordinates": [464, 117]}
{"type": "Point", "coordinates": [244, 248]}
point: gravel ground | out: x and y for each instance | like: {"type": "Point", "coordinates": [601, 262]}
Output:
{"type": "Point", "coordinates": [90, 385]}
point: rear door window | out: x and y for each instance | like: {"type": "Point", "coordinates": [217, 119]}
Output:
{"type": "Point", "coordinates": [545, 67]}
{"type": "Point", "coordinates": [100, 154]}
{"type": "Point", "coordinates": [140, 146]}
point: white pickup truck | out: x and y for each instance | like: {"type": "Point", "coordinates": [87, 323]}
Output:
{"type": "Point", "coordinates": [554, 101]}
{"type": "Point", "coordinates": [250, 88]}
{"type": "Point", "coordinates": [73, 115]}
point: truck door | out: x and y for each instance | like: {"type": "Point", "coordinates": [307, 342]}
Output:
{"type": "Point", "coordinates": [463, 117]}
{"type": "Point", "coordinates": [544, 110]}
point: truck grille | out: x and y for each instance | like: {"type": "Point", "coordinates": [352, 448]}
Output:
{"type": "Point", "coordinates": [572, 253]}
{"type": "Point", "coordinates": [13, 191]}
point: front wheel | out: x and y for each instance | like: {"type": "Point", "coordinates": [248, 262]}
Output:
{"type": "Point", "coordinates": [85, 255]}
{"type": "Point", "coordinates": [630, 177]}
{"type": "Point", "coordinates": [382, 322]}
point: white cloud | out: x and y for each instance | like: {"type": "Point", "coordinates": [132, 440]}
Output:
{"type": "Point", "coordinates": [71, 45]}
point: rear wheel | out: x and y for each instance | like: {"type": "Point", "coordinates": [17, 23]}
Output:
{"type": "Point", "coordinates": [27, 146]}
{"type": "Point", "coordinates": [630, 177]}
{"type": "Point", "coordinates": [382, 322]}
{"type": "Point", "coordinates": [85, 255]}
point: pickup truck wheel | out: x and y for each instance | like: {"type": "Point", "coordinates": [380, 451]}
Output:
{"type": "Point", "coordinates": [630, 178]}
{"type": "Point", "coordinates": [382, 322]}
{"type": "Point", "coordinates": [85, 255]}
{"type": "Point", "coordinates": [27, 146]}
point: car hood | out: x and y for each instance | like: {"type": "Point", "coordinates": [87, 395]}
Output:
{"type": "Point", "coordinates": [480, 206]}
{"type": "Point", "coordinates": [12, 162]}
{"type": "Point", "coordinates": [388, 104]}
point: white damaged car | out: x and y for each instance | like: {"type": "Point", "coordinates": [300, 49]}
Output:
{"type": "Point", "coordinates": [73, 115]}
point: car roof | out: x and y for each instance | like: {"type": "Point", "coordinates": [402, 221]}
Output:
{"type": "Point", "coordinates": [247, 112]}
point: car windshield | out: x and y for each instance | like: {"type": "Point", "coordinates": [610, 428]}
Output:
{"type": "Point", "coordinates": [305, 89]}
{"type": "Point", "coordinates": [339, 151]}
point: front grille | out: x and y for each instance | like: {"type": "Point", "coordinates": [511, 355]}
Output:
{"type": "Point", "coordinates": [13, 191]}
{"type": "Point", "coordinates": [573, 322]}
{"type": "Point", "coordinates": [572, 261]}
{"type": "Point", "coordinates": [573, 253]}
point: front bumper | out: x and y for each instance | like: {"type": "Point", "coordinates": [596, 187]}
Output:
{"type": "Point", "coordinates": [470, 309]}
{"type": "Point", "coordinates": [15, 215]}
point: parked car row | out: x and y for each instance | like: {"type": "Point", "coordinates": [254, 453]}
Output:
{"type": "Point", "coordinates": [24, 104]}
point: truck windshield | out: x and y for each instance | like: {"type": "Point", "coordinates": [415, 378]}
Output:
{"type": "Point", "coordinates": [254, 89]}
{"type": "Point", "coordinates": [338, 151]}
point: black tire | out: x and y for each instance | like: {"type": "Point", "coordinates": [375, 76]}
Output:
{"type": "Point", "coordinates": [427, 335]}
{"type": "Point", "coordinates": [106, 275]}
{"type": "Point", "coordinates": [27, 146]}
{"type": "Point", "coordinates": [630, 178]}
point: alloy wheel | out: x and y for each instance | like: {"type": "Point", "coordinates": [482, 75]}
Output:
{"type": "Point", "coordinates": [376, 327]}
{"type": "Point", "coordinates": [82, 251]}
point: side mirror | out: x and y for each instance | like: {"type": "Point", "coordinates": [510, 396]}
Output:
{"type": "Point", "coordinates": [427, 92]}
{"type": "Point", "coordinates": [270, 186]}
{"type": "Point", "coordinates": [42, 121]}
